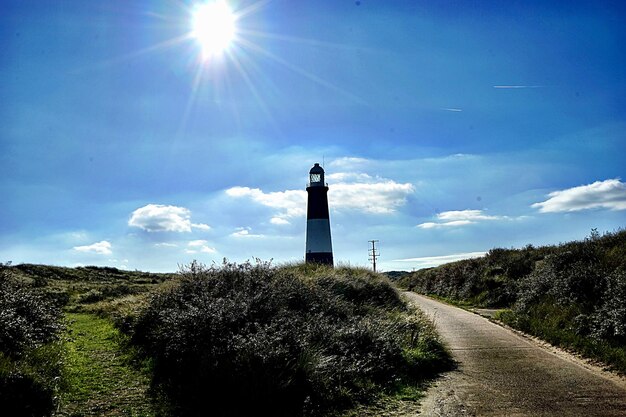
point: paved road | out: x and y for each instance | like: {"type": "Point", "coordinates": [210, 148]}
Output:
{"type": "Point", "coordinates": [503, 374]}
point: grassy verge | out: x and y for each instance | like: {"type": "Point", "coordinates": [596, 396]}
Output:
{"type": "Point", "coordinates": [100, 378]}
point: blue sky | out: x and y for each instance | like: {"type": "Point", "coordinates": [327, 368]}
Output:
{"type": "Point", "coordinates": [445, 128]}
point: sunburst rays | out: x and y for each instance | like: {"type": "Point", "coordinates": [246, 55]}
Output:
{"type": "Point", "coordinates": [215, 74]}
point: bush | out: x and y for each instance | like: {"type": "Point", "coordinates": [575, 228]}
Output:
{"type": "Point", "coordinates": [30, 361]}
{"type": "Point", "coordinates": [608, 321]}
{"type": "Point", "coordinates": [251, 339]}
{"type": "Point", "coordinates": [27, 319]}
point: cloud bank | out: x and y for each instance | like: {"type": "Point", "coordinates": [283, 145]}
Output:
{"type": "Point", "coordinates": [607, 194]}
{"type": "Point", "coordinates": [162, 218]}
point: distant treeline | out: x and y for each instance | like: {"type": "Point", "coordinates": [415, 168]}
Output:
{"type": "Point", "coordinates": [572, 294]}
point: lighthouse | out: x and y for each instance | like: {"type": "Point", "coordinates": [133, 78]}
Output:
{"type": "Point", "coordinates": [319, 248]}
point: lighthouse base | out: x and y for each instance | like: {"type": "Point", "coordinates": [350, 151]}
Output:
{"type": "Point", "coordinates": [323, 258]}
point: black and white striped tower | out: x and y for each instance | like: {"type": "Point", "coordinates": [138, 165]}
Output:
{"type": "Point", "coordinates": [319, 248]}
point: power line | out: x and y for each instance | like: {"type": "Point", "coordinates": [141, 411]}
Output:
{"type": "Point", "coordinates": [373, 253]}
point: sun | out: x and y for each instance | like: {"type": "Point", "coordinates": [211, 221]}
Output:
{"type": "Point", "coordinates": [213, 26]}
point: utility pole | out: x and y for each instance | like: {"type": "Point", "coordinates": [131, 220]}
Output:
{"type": "Point", "coordinates": [373, 254]}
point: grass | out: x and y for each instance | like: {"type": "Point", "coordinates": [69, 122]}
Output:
{"type": "Point", "coordinates": [100, 378]}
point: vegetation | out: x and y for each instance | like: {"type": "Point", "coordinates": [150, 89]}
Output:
{"type": "Point", "coordinates": [30, 354]}
{"type": "Point", "coordinates": [235, 339]}
{"type": "Point", "coordinates": [572, 295]}
{"type": "Point", "coordinates": [395, 275]}
{"type": "Point", "coordinates": [100, 374]}
{"type": "Point", "coordinates": [46, 356]}
{"type": "Point", "coordinates": [298, 340]}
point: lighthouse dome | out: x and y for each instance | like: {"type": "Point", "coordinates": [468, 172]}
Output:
{"type": "Point", "coordinates": [317, 169]}
{"type": "Point", "coordinates": [316, 176]}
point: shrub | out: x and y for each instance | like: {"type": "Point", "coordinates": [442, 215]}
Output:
{"type": "Point", "coordinates": [251, 339]}
{"type": "Point", "coordinates": [609, 319]}
{"type": "Point", "coordinates": [30, 361]}
{"type": "Point", "coordinates": [27, 319]}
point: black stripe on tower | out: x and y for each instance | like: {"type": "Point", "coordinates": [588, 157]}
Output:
{"type": "Point", "coordinates": [324, 258]}
{"type": "Point", "coordinates": [317, 207]}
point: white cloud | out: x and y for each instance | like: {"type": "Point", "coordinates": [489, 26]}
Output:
{"type": "Point", "coordinates": [201, 226]}
{"type": "Point", "coordinates": [243, 232]}
{"type": "Point", "coordinates": [292, 203]}
{"type": "Point", "coordinates": [352, 191]}
{"type": "Point", "coordinates": [199, 246]}
{"type": "Point", "coordinates": [433, 225]}
{"type": "Point", "coordinates": [349, 176]}
{"type": "Point", "coordinates": [429, 261]}
{"type": "Point", "coordinates": [101, 248]}
{"type": "Point", "coordinates": [165, 245]}
{"type": "Point", "coordinates": [348, 163]}
{"type": "Point", "coordinates": [471, 215]}
{"type": "Point", "coordinates": [607, 194]}
{"type": "Point", "coordinates": [456, 218]}
{"type": "Point", "coordinates": [381, 197]}
{"type": "Point", "coordinates": [161, 218]}
{"type": "Point", "coordinates": [452, 109]}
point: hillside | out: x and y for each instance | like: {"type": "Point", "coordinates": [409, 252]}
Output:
{"type": "Point", "coordinates": [572, 295]}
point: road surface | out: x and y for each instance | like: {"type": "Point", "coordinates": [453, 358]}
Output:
{"type": "Point", "coordinates": [501, 373]}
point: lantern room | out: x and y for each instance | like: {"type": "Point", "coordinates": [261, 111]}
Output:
{"type": "Point", "coordinates": [316, 176]}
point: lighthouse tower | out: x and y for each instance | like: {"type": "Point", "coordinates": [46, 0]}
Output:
{"type": "Point", "coordinates": [318, 244]}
